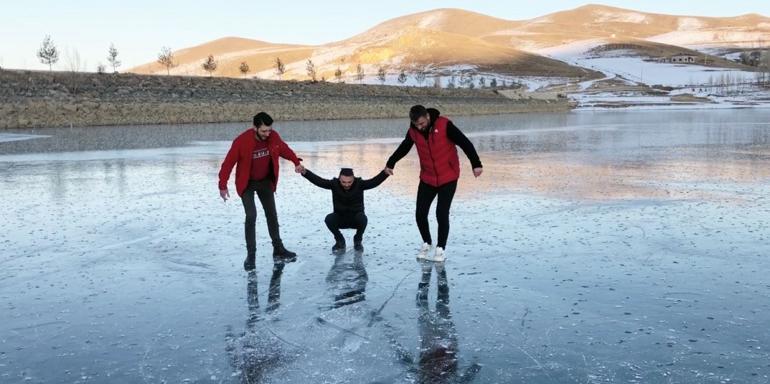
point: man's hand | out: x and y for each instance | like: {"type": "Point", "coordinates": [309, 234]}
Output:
{"type": "Point", "coordinates": [299, 169]}
{"type": "Point", "coordinates": [477, 171]}
{"type": "Point", "coordinates": [224, 194]}
{"type": "Point", "coordinates": [389, 171]}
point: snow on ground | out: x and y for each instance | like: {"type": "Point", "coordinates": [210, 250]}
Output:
{"type": "Point", "coordinates": [689, 24]}
{"type": "Point", "coordinates": [620, 17]}
{"type": "Point", "coordinates": [640, 69]}
{"type": "Point", "coordinates": [609, 101]}
{"type": "Point", "coordinates": [714, 37]}
{"type": "Point", "coordinates": [596, 247]}
{"type": "Point", "coordinates": [707, 82]}
{"type": "Point", "coordinates": [667, 74]}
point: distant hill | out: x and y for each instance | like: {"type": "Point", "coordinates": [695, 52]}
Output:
{"type": "Point", "coordinates": [452, 38]}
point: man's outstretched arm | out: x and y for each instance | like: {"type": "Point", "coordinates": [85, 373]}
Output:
{"type": "Point", "coordinates": [317, 180]}
{"type": "Point", "coordinates": [401, 151]}
{"type": "Point", "coordinates": [375, 181]}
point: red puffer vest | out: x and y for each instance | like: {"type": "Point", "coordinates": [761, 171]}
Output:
{"type": "Point", "coordinates": [439, 163]}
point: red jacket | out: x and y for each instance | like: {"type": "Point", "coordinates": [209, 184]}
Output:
{"type": "Point", "coordinates": [240, 154]}
{"type": "Point", "coordinates": [439, 163]}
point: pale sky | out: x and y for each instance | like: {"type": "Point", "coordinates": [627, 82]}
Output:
{"type": "Point", "coordinates": [140, 28]}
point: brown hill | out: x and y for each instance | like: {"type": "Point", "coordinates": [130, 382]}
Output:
{"type": "Point", "coordinates": [229, 53]}
{"type": "Point", "coordinates": [445, 37]}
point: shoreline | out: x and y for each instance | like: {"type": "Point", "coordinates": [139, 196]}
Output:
{"type": "Point", "coordinates": [33, 99]}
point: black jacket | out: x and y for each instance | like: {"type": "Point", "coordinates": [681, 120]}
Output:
{"type": "Point", "coordinates": [351, 201]}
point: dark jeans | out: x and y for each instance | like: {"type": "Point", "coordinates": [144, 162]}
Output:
{"type": "Point", "coordinates": [335, 222]}
{"type": "Point", "coordinates": [425, 196]}
{"type": "Point", "coordinates": [264, 190]}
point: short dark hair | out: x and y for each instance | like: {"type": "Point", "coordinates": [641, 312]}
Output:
{"type": "Point", "coordinates": [261, 119]}
{"type": "Point", "coordinates": [346, 172]}
{"type": "Point", "coordinates": [417, 112]}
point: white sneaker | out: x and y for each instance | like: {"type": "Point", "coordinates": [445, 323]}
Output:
{"type": "Point", "coordinates": [423, 253]}
{"type": "Point", "coordinates": [440, 255]}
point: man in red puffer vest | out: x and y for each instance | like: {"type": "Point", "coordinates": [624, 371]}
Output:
{"type": "Point", "coordinates": [436, 138]}
{"type": "Point", "coordinates": [254, 154]}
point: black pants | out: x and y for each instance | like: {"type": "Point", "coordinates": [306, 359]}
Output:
{"type": "Point", "coordinates": [425, 196]}
{"type": "Point", "coordinates": [335, 222]}
{"type": "Point", "coordinates": [264, 190]}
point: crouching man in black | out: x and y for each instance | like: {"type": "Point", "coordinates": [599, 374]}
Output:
{"type": "Point", "coordinates": [348, 198]}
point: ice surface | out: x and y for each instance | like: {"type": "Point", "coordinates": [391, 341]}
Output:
{"type": "Point", "coordinates": [596, 247]}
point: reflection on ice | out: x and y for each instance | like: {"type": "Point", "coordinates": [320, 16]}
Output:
{"type": "Point", "coordinates": [347, 279]}
{"type": "Point", "coordinates": [257, 351]}
{"type": "Point", "coordinates": [438, 360]}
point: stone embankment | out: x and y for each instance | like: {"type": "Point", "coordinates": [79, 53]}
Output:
{"type": "Point", "coordinates": [30, 99]}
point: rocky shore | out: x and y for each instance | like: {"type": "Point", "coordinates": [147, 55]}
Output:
{"type": "Point", "coordinates": [32, 99]}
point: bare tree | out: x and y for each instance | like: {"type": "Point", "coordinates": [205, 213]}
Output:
{"type": "Point", "coordinates": [112, 57]}
{"type": "Point", "coordinates": [244, 68]}
{"type": "Point", "coordinates": [359, 73]}
{"type": "Point", "coordinates": [48, 54]}
{"type": "Point", "coordinates": [166, 59]}
{"type": "Point", "coordinates": [101, 68]}
{"type": "Point", "coordinates": [381, 74]}
{"type": "Point", "coordinates": [466, 81]}
{"type": "Point", "coordinates": [280, 68]}
{"type": "Point", "coordinates": [311, 72]}
{"type": "Point", "coordinates": [764, 64]}
{"type": "Point", "coordinates": [73, 61]}
{"type": "Point", "coordinates": [338, 75]}
{"type": "Point", "coordinates": [452, 83]}
{"type": "Point", "coordinates": [420, 74]}
{"type": "Point", "coordinates": [210, 65]}
{"type": "Point", "coordinates": [402, 77]}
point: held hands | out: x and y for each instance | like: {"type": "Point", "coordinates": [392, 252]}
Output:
{"type": "Point", "coordinates": [224, 194]}
{"type": "Point", "coordinates": [300, 169]}
{"type": "Point", "coordinates": [389, 171]}
{"type": "Point", "coordinates": [477, 171]}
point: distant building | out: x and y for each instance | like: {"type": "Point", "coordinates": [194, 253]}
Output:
{"type": "Point", "coordinates": [679, 58]}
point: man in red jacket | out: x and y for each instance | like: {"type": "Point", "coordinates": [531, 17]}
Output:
{"type": "Point", "coordinates": [436, 138]}
{"type": "Point", "coordinates": [254, 154]}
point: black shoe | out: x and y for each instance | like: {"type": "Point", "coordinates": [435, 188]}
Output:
{"type": "Point", "coordinates": [249, 264]}
{"type": "Point", "coordinates": [339, 246]}
{"type": "Point", "coordinates": [283, 254]}
{"type": "Point", "coordinates": [358, 246]}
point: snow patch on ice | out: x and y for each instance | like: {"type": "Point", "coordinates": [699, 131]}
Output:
{"type": "Point", "coordinates": [6, 137]}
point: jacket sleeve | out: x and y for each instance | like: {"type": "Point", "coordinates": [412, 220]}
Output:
{"type": "Point", "coordinates": [317, 180]}
{"type": "Point", "coordinates": [401, 151]}
{"type": "Point", "coordinates": [288, 154]}
{"type": "Point", "coordinates": [462, 141]}
{"type": "Point", "coordinates": [374, 181]}
{"type": "Point", "coordinates": [227, 166]}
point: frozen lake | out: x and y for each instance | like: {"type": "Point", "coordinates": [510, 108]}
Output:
{"type": "Point", "coordinates": [596, 248]}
